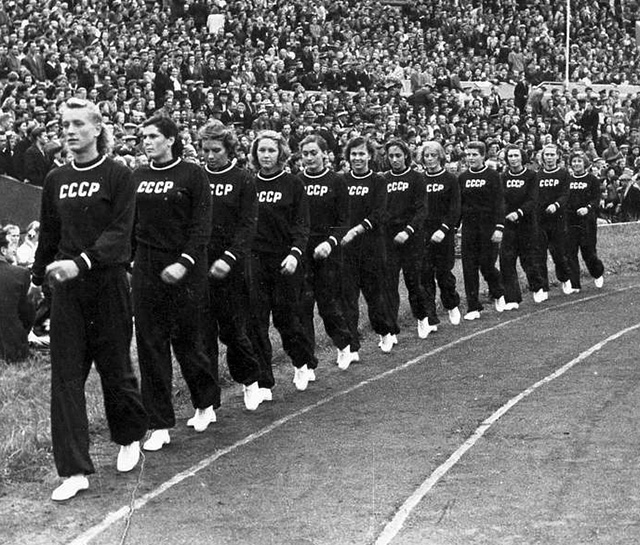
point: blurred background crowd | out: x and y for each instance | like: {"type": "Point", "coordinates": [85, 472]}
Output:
{"type": "Point", "coordinates": [452, 71]}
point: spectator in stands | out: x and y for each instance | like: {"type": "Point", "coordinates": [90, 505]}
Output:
{"type": "Point", "coordinates": [16, 313]}
{"type": "Point", "coordinates": [37, 163]}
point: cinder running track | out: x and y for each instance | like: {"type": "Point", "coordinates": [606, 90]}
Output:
{"type": "Point", "coordinates": [518, 428]}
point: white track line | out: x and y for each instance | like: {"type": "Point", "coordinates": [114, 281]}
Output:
{"type": "Point", "coordinates": [393, 527]}
{"type": "Point", "coordinates": [126, 510]}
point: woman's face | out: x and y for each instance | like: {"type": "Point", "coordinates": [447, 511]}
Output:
{"type": "Point", "coordinates": [267, 152]}
{"type": "Point", "coordinates": [313, 157]}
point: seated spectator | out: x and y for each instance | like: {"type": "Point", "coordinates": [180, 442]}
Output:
{"type": "Point", "coordinates": [27, 250]}
{"type": "Point", "coordinates": [16, 313]}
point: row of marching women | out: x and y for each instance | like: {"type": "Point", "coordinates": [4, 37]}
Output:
{"type": "Point", "coordinates": [218, 252]}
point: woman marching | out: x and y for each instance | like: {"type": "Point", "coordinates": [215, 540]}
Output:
{"type": "Point", "coordinates": [281, 238]}
{"type": "Point", "coordinates": [85, 246]}
{"type": "Point", "coordinates": [582, 207]}
{"type": "Point", "coordinates": [520, 238]}
{"type": "Point", "coordinates": [173, 208]}
{"type": "Point", "coordinates": [329, 214]}
{"type": "Point", "coordinates": [443, 214]}
{"type": "Point", "coordinates": [405, 233]}
{"type": "Point", "coordinates": [364, 248]}
{"type": "Point", "coordinates": [233, 215]}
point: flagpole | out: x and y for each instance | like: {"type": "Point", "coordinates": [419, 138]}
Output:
{"type": "Point", "coordinates": [567, 46]}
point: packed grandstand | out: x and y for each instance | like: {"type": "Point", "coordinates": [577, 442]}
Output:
{"type": "Point", "coordinates": [451, 71]}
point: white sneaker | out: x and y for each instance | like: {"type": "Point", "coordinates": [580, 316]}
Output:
{"type": "Point", "coordinates": [567, 288]}
{"type": "Point", "coordinates": [424, 328]}
{"type": "Point", "coordinates": [355, 356]}
{"type": "Point", "coordinates": [473, 315]}
{"type": "Point", "coordinates": [395, 339]}
{"type": "Point", "coordinates": [201, 420]}
{"type": "Point", "coordinates": [70, 487]}
{"type": "Point", "coordinates": [266, 394]}
{"type": "Point", "coordinates": [128, 457]}
{"type": "Point", "coordinates": [512, 306]}
{"type": "Point", "coordinates": [38, 340]}
{"type": "Point", "coordinates": [455, 316]}
{"type": "Point", "coordinates": [599, 282]}
{"type": "Point", "coordinates": [302, 377]}
{"type": "Point", "coordinates": [157, 440]}
{"type": "Point", "coordinates": [386, 342]}
{"type": "Point", "coordinates": [344, 358]}
{"type": "Point", "coordinates": [499, 303]}
{"type": "Point", "coordinates": [252, 396]}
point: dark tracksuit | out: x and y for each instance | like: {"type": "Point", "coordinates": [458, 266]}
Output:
{"type": "Point", "coordinates": [553, 188]}
{"type": "Point", "coordinates": [584, 192]}
{"type": "Point", "coordinates": [282, 230]}
{"type": "Point", "coordinates": [173, 224]}
{"type": "Point", "coordinates": [365, 256]}
{"type": "Point", "coordinates": [329, 213]}
{"type": "Point", "coordinates": [482, 205]}
{"type": "Point", "coordinates": [406, 212]}
{"type": "Point", "coordinates": [87, 216]}
{"type": "Point", "coordinates": [442, 213]}
{"type": "Point", "coordinates": [520, 238]}
{"type": "Point", "coordinates": [234, 215]}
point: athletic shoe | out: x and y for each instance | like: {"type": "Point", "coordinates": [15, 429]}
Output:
{"type": "Point", "coordinates": [201, 420]}
{"type": "Point", "coordinates": [424, 328]}
{"type": "Point", "coordinates": [128, 457]}
{"type": "Point", "coordinates": [499, 303]}
{"type": "Point", "coordinates": [567, 288]}
{"type": "Point", "coordinates": [302, 377]}
{"type": "Point", "coordinates": [252, 396]}
{"type": "Point", "coordinates": [344, 358]}
{"type": "Point", "coordinates": [455, 316]}
{"type": "Point", "coordinates": [540, 295]}
{"type": "Point", "coordinates": [511, 306]}
{"type": "Point", "coordinates": [157, 440]}
{"type": "Point", "coordinates": [70, 487]}
{"type": "Point", "coordinates": [395, 339]}
{"type": "Point", "coordinates": [266, 394]}
{"type": "Point", "coordinates": [355, 356]}
{"type": "Point", "coordinates": [599, 282]}
{"type": "Point", "coordinates": [473, 315]}
{"type": "Point", "coordinates": [39, 341]}
{"type": "Point", "coordinates": [386, 342]}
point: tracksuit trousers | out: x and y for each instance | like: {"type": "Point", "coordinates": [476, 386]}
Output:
{"type": "Point", "coordinates": [583, 237]}
{"type": "Point", "coordinates": [479, 254]}
{"type": "Point", "coordinates": [278, 295]}
{"type": "Point", "coordinates": [437, 266]}
{"type": "Point", "coordinates": [91, 322]}
{"type": "Point", "coordinates": [170, 316]}
{"type": "Point", "coordinates": [519, 241]}
{"type": "Point", "coordinates": [227, 318]}
{"type": "Point", "coordinates": [365, 271]}
{"type": "Point", "coordinates": [407, 258]}
{"type": "Point", "coordinates": [322, 286]}
{"type": "Point", "coordinates": [553, 237]}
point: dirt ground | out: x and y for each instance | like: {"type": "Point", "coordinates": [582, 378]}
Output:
{"type": "Point", "coordinates": [338, 463]}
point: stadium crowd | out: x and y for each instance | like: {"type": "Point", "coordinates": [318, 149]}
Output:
{"type": "Point", "coordinates": [336, 68]}
{"type": "Point", "coordinates": [231, 124]}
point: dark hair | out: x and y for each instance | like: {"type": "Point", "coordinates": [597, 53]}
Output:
{"type": "Point", "coordinates": [478, 146]}
{"type": "Point", "coordinates": [216, 130]}
{"type": "Point", "coordinates": [356, 142]}
{"type": "Point", "coordinates": [402, 145]}
{"type": "Point", "coordinates": [169, 129]}
{"type": "Point", "coordinates": [4, 239]}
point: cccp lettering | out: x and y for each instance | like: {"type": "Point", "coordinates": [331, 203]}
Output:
{"type": "Point", "coordinates": [269, 196]}
{"type": "Point", "coordinates": [220, 190]}
{"type": "Point", "coordinates": [434, 188]}
{"type": "Point", "coordinates": [578, 185]}
{"type": "Point", "coordinates": [317, 190]}
{"type": "Point", "coordinates": [397, 186]}
{"type": "Point", "coordinates": [551, 182]}
{"type": "Point", "coordinates": [475, 183]}
{"type": "Point", "coordinates": [149, 187]}
{"type": "Point", "coordinates": [358, 190]}
{"type": "Point", "coordinates": [78, 189]}
{"type": "Point", "coordinates": [514, 184]}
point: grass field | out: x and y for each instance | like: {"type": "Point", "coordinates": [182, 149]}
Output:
{"type": "Point", "coordinates": [25, 442]}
